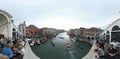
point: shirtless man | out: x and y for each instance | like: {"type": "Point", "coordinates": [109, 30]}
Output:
{"type": "Point", "coordinates": [3, 57]}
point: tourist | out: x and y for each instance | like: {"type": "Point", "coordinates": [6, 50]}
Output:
{"type": "Point", "coordinates": [97, 44]}
{"type": "Point", "coordinates": [3, 56]}
{"type": "Point", "coordinates": [101, 53]}
{"type": "Point", "coordinates": [17, 57]}
{"type": "Point", "coordinates": [111, 52]}
{"type": "Point", "coordinates": [24, 40]}
{"type": "Point", "coordinates": [32, 42]}
{"type": "Point", "coordinates": [2, 41]}
{"type": "Point", "coordinates": [96, 54]}
{"type": "Point", "coordinates": [15, 50]}
{"type": "Point", "coordinates": [20, 42]}
{"type": "Point", "coordinates": [20, 49]}
{"type": "Point", "coordinates": [115, 44]}
{"type": "Point", "coordinates": [8, 50]}
{"type": "Point", "coordinates": [102, 44]}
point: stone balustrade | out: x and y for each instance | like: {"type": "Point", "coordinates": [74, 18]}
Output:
{"type": "Point", "coordinates": [28, 53]}
{"type": "Point", "coordinates": [91, 54]}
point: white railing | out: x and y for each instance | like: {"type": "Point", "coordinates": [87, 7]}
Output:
{"type": "Point", "coordinates": [91, 54]}
{"type": "Point", "coordinates": [28, 53]}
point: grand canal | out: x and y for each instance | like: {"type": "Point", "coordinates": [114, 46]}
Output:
{"type": "Point", "coordinates": [59, 50]}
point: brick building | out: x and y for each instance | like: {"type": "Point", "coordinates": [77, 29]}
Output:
{"type": "Point", "coordinates": [32, 30]}
{"type": "Point", "coordinates": [87, 33]}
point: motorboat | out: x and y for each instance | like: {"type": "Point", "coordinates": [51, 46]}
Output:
{"type": "Point", "coordinates": [61, 37]}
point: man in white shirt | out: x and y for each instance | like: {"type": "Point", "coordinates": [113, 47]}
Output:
{"type": "Point", "coordinates": [115, 44]}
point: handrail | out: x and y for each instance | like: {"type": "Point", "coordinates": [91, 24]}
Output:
{"type": "Point", "coordinates": [28, 53]}
{"type": "Point", "coordinates": [91, 54]}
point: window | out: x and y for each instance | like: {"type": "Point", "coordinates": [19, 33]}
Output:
{"type": "Point", "coordinates": [115, 28]}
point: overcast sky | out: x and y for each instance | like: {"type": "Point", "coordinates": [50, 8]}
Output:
{"type": "Point", "coordinates": [63, 14]}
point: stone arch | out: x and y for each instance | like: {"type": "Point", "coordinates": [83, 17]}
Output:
{"type": "Point", "coordinates": [88, 38]}
{"type": "Point", "coordinates": [108, 32]}
{"type": "Point", "coordinates": [17, 35]}
{"type": "Point", "coordinates": [14, 33]}
{"type": "Point", "coordinates": [5, 18]}
{"type": "Point", "coordinates": [115, 34]}
{"type": "Point", "coordinates": [107, 36]}
{"type": "Point", "coordinates": [92, 38]}
{"type": "Point", "coordinates": [13, 29]}
{"type": "Point", "coordinates": [3, 25]}
{"type": "Point", "coordinates": [116, 27]}
{"type": "Point", "coordinates": [5, 13]}
{"type": "Point", "coordinates": [104, 36]}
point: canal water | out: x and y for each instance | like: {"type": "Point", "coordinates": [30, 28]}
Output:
{"type": "Point", "coordinates": [57, 49]}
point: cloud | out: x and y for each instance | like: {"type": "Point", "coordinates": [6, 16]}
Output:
{"type": "Point", "coordinates": [79, 13]}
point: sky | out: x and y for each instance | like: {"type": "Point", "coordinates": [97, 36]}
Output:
{"type": "Point", "coordinates": [63, 14]}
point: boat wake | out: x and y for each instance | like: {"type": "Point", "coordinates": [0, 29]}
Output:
{"type": "Point", "coordinates": [71, 55]}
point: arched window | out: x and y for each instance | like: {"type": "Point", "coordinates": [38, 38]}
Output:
{"type": "Point", "coordinates": [92, 38]}
{"type": "Point", "coordinates": [107, 32]}
{"type": "Point", "coordinates": [14, 33]}
{"type": "Point", "coordinates": [115, 34]}
{"type": "Point", "coordinates": [115, 28]}
{"type": "Point", "coordinates": [104, 33]}
{"type": "Point", "coordinates": [14, 29]}
{"type": "Point", "coordinates": [88, 38]}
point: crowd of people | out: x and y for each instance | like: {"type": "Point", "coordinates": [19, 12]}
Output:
{"type": "Point", "coordinates": [38, 41]}
{"type": "Point", "coordinates": [11, 48]}
{"type": "Point", "coordinates": [106, 50]}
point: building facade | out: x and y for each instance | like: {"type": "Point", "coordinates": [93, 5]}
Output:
{"type": "Point", "coordinates": [32, 31]}
{"type": "Point", "coordinates": [86, 33]}
{"type": "Point", "coordinates": [22, 29]}
{"type": "Point", "coordinates": [7, 27]}
{"type": "Point", "coordinates": [92, 33]}
{"type": "Point", "coordinates": [112, 32]}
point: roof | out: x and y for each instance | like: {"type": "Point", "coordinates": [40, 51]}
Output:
{"type": "Point", "coordinates": [6, 13]}
{"type": "Point", "coordinates": [112, 23]}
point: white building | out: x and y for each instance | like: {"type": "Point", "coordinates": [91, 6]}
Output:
{"type": "Point", "coordinates": [7, 27]}
{"type": "Point", "coordinates": [112, 32]}
{"type": "Point", "coordinates": [50, 31]}
{"type": "Point", "coordinates": [22, 29]}
{"type": "Point", "coordinates": [9, 30]}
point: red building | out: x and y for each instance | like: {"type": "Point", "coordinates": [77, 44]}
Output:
{"type": "Point", "coordinates": [32, 30]}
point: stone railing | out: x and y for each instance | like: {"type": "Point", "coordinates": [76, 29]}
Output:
{"type": "Point", "coordinates": [91, 54]}
{"type": "Point", "coordinates": [28, 53]}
